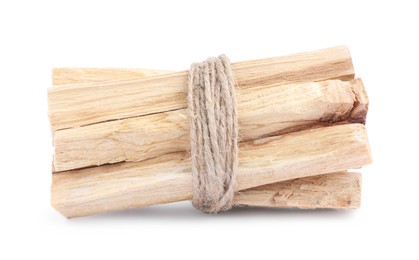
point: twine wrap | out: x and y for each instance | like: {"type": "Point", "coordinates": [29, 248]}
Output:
{"type": "Point", "coordinates": [213, 134]}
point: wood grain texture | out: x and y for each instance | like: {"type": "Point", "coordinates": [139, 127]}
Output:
{"type": "Point", "coordinates": [168, 178]}
{"type": "Point", "coordinates": [266, 112]}
{"type": "Point", "coordinates": [74, 105]}
{"type": "Point", "coordinates": [63, 76]}
{"type": "Point", "coordinates": [339, 190]}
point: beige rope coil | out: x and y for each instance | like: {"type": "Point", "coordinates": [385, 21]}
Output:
{"type": "Point", "coordinates": [213, 134]}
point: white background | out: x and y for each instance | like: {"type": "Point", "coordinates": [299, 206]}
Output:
{"type": "Point", "coordinates": [36, 36]}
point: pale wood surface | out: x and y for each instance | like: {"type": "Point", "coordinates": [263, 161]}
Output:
{"type": "Point", "coordinates": [168, 178]}
{"type": "Point", "coordinates": [63, 76]}
{"type": "Point", "coordinates": [266, 112]}
{"type": "Point", "coordinates": [339, 190]}
{"type": "Point", "coordinates": [73, 105]}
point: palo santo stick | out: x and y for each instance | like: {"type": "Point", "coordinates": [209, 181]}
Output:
{"type": "Point", "coordinates": [62, 76]}
{"type": "Point", "coordinates": [339, 190]}
{"type": "Point", "coordinates": [168, 178]}
{"type": "Point", "coordinates": [270, 111]}
{"type": "Point", "coordinates": [74, 105]}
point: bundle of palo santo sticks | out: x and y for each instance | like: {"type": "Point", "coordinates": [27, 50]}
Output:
{"type": "Point", "coordinates": [121, 136]}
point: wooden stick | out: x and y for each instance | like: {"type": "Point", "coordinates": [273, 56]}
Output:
{"type": "Point", "coordinates": [63, 76]}
{"type": "Point", "coordinates": [266, 112]}
{"type": "Point", "coordinates": [339, 190]}
{"type": "Point", "coordinates": [74, 105]}
{"type": "Point", "coordinates": [168, 178]}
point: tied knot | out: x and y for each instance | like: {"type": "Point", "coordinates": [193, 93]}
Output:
{"type": "Point", "coordinates": [213, 134]}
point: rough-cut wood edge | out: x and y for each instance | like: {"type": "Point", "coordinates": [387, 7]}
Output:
{"type": "Point", "coordinates": [276, 110]}
{"type": "Point", "coordinates": [359, 111]}
{"type": "Point", "coordinates": [341, 190]}
{"type": "Point", "coordinates": [168, 178]}
{"type": "Point", "coordinates": [74, 105]}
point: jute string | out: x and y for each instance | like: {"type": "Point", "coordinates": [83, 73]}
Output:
{"type": "Point", "coordinates": [213, 134]}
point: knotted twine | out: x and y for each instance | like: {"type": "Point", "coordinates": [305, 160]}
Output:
{"type": "Point", "coordinates": [213, 134]}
